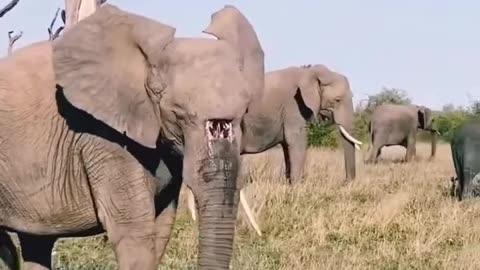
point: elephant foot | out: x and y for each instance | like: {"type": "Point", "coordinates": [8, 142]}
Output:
{"type": "Point", "coordinates": [296, 182]}
{"type": "Point", "coordinates": [370, 161]}
{"type": "Point", "coordinates": [348, 180]}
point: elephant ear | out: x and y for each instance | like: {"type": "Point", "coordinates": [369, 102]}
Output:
{"type": "Point", "coordinates": [103, 64]}
{"type": "Point", "coordinates": [421, 117]}
{"type": "Point", "coordinates": [303, 106]}
{"type": "Point", "coordinates": [230, 25]}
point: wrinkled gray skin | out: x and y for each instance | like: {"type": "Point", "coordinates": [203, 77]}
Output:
{"type": "Point", "coordinates": [292, 97]}
{"type": "Point", "coordinates": [393, 124]}
{"type": "Point", "coordinates": [465, 146]}
{"type": "Point", "coordinates": [85, 120]}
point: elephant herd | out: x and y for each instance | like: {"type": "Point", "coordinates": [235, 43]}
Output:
{"type": "Point", "coordinates": [100, 128]}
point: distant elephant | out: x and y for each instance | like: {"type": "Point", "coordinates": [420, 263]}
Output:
{"type": "Point", "coordinates": [394, 124]}
{"type": "Point", "coordinates": [85, 119]}
{"type": "Point", "coordinates": [293, 97]}
{"type": "Point", "coordinates": [465, 146]}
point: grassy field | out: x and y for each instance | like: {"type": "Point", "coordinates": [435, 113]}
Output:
{"type": "Point", "coordinates": [393, 216]}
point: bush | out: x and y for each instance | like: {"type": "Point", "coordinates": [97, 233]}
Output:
{"type": "Point", "coordinates": [387, 96]}
{"type": "Point", "coordinates": [322, 135]}
{"type": "Point", "coordinates": [360, 122]}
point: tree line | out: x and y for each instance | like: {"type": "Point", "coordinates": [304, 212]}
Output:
{"type": "Point", "coordinates": [446, 121]}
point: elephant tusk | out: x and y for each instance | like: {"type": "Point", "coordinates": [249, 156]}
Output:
{"type": "Point", "coordinates": [191, 203]}
{"type": "Point", "coordinates": [350, 137]}
{"type": "Point", "coordinates": [248, 211]}
{"type": "Point", "coordinates": [243, 202]}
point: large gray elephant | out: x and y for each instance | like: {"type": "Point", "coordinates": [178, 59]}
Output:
{"type": "Point", "coordinates": [293, 97]}
{"type": "Point", "coordinates": [394, 124]}
{"type": "Point", "coordinates": [465, 146]}
{"type": "Point", "coordinates": [85, 119]}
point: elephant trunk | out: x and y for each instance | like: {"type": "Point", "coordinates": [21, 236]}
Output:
{"type": "Point", "coordinates": [343, 117]}
{"type": "Point", "coordinates": [217, 229]}
{"type": "Point", "coordinates": [215, 190]}
{"type": "Point", "coordinates": [349, 156]}
{"type": "Point", "coordinates": [218, 210]}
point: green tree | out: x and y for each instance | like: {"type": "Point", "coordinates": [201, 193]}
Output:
{"type": "Point", "coordinates": [475, 107]}
{"type": "Point", "coordinates": [322, 134]}
{"type": "Point", "coordinates": [447, 123]}
{"type": "Point", "coordinates": [387, 96]}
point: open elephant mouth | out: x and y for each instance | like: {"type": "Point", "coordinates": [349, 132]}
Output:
{"type": "Point", "coordinates": [218, 130]}
{"type": "Point", "coordinates": [326, 115]}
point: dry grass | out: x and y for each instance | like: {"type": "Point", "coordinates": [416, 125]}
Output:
{"type": "Point", "coordinates": [393, 216]}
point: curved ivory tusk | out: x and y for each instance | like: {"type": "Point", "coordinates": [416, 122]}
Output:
{"type": "Point", "coordinates": [243, 202]}
{"type": "Point", "coordinates": [191, 203]}
{"type": "Point", "coordinates": [350, 137]}
{"type": "Point", "coordinates": [248, 211]}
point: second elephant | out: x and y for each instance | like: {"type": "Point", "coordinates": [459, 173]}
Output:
{"type": "Point", "coordinates": [394, 124]}
{"type": "Point", "coordinates": [293, 97]}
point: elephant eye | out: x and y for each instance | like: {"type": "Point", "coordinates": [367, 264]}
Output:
{"type": "Point", "coordinates": [338, 99]}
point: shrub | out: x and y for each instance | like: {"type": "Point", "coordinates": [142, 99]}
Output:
{"type": "Point", "coordinates": [322, 135]}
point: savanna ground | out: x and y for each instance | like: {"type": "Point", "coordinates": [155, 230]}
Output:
{"type": "Point", "coordinates": [393, 216]}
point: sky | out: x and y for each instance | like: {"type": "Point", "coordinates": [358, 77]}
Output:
{"type": "Point", "coordinates": [430, 48]}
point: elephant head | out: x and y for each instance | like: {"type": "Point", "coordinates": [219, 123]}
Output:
{"type": "Point", "coordinates": [425, 122]}
{"type": "Point", "coordinates": [328, 94]}
{"type": "Point", "coordinates": [133, 74]}
{"type": "Point", "coordinates": [425, 118]}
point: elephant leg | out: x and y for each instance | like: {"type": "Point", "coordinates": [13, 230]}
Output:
{"type": "Point", "coordinates": [296, 149]}
{"type": "Point", "coordinates": [36, 251]}
{"type": "Point", "coordinates": [374, 154]}
{"type": "Point", "coordinates": [166, 198]}
{"type": "Point", "coordinates": [411, 149]}
{"type": "Point", "coordinates": [297, 161]}
{"type": "Point", "coordinates": [166, 205]}
{"type": "Point", "coordinates": [287, 161]}
{"type": "Point", "coordinates": [163, 228]}
{"type": "Point", "coordinates": [124, 198]}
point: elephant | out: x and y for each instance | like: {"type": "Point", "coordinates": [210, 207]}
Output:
{"type": "Point", "coordinates": [465, 147]}
{"type": "Point", "coordinates": [293, 97]}
{"type": "Point", "coordinates": [86, 118]}
{"type": "Point", "coordinates": [397, 124]}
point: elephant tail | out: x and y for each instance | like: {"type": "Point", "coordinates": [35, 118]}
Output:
{"type": "Point", "coordinates": [8, 251]}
